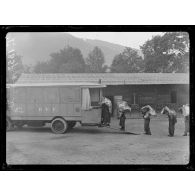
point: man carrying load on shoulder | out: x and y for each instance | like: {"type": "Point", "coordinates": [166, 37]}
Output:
{"type": "Point", "coordinates": [106, 111]}
{"type": "Point", "coordinates": [147, 112]}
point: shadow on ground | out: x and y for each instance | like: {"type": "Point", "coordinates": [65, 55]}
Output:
{"type": "Point", "coordinates": [76, 130]}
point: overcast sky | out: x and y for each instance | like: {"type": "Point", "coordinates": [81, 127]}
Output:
{"type": "Point", "coordinates": [131, 39]}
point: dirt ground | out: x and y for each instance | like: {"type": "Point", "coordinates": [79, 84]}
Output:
{"type": "Point", "coordinates": [93, 145]}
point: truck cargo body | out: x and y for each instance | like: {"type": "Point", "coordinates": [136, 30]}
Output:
{"type": "Point", "coordinates": [45, 102]}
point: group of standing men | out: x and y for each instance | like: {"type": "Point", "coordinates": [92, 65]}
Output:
{"type": "Point", "coordinates": [147, 112]}
{"type": "Point", "coordinates": [106, 105]}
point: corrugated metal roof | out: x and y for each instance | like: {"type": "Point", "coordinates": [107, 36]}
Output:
{"type": "Point", "coordinates": [108, 78]}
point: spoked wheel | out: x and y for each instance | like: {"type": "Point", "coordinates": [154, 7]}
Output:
{"type": "Point", "coordinates": [9, 125]}
{"type": "Point", "coordinates": [59, 126]}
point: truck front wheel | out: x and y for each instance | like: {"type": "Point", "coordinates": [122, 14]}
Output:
{"type": "Point", "coordinates": [59, 126]}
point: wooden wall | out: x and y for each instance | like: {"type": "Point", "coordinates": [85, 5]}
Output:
{"type": "Point", "coordinates": [156, 95]}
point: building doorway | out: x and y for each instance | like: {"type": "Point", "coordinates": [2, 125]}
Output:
{"type": "Point", "coordinates": [173, 97]}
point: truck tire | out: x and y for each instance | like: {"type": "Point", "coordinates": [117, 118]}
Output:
{"type": "Point", "coordinates": [9, 125]}
{"type": "Point", "coordinates": [59, 126]}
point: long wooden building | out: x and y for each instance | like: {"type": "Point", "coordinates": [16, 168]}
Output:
{"type": "Point", "coordinates": [138, 89]}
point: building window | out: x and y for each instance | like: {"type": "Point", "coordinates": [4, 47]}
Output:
{"type": "Point", "coordinates": [173, 97]}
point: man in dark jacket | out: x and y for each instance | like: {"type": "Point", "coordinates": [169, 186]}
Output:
{"type": "Point", "coordinates": [172, 122]}
{"type": "Point", "coordinates": [105, 115]}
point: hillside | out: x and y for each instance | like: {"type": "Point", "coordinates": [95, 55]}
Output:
{"type": "Point", "coordinates": [38, 46]}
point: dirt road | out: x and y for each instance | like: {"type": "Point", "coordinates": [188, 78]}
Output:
{"type": "Point", "coordinates": [92, 145]}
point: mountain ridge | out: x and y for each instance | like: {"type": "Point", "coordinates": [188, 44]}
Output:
{"type": "Point", "coordinates": [34, 47]}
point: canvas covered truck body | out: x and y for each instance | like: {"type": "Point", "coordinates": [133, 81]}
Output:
{"type": "Point", "coordinates": [37, 104]}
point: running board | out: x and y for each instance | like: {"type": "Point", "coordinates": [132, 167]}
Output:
{"type": "Point", "coordinates": [90, 124]}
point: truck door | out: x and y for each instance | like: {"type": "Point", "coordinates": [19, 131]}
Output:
{"type": "Point", "coordinates": [91, 110]}
{"type": "Point", "coordinates": [70, 101]}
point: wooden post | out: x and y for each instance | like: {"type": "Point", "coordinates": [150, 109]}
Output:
{"type": "Point", "coordinates": [156, 97]}
{"type": "Point", "coordinates": [134, 94]}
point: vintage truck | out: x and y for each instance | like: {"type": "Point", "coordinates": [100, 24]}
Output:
{"type": "Point", "coordinates": [60, 104]}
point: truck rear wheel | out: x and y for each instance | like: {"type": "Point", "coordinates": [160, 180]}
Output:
{"type": "Point", "coordinates": [9, 124]}
{"type": "Point", "coordinates": [59, 126]}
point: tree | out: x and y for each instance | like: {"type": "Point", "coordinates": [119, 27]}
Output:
{"type": "Point", "coordinates": [14, 67]}
{"type": "Point", "coordinates": [95, 61]}
{"type": "Point", "coordinates": [67, 60]}
{"type": "Point", "coordinates": [105, 68]}
{"type": "Point", "coordinates": [127, 61]}
{"type": "Point", "coordinates": [44, 67]}
{"type": "Point", "coordinates": [167, 53]}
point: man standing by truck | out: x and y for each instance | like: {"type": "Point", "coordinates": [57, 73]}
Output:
{"type": "Point", "coordinates": [106, 111]}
